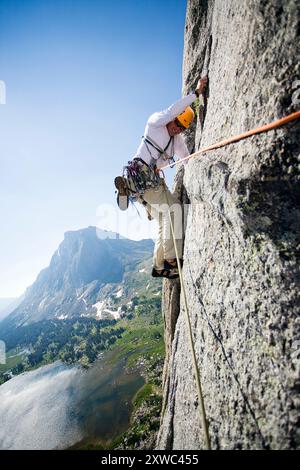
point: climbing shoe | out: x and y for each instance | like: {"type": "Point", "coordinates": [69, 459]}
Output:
{"type": "Point", "coordinates": [122, 196]}
{"type": "Point", "coordinates": [167, 273]}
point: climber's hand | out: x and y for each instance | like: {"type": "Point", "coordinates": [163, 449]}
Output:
{"type": "Point", "coordinates": [201, 85]}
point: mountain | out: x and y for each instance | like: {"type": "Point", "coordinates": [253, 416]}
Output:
{"type": "Point", "coordinates": [85, 275]}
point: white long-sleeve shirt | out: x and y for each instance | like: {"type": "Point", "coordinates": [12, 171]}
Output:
{"type": "Point", "coordinates": [156, 129]}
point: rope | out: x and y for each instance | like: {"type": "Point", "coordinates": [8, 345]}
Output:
{"type": "Point", "coordinates": [202, 412]}
{"type": "Point", "coordinates": [231, 140]}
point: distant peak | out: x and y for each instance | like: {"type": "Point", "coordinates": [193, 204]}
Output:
{"type": "Point", "coordinates": [101, 234]}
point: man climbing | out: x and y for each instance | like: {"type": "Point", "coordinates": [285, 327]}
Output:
{"type": "Point", "coordinates": [162, 140]}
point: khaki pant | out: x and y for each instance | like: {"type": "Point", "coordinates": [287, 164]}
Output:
{"type": "Point", "coordinates": [160, 200]}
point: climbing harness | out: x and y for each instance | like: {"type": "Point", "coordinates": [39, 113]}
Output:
{"type": "Point", "coordinates": [162, 152]}
{"type": "Point", "coordinates": [137, 177]}
{"type": "Point", "coordinates": [258, 130]}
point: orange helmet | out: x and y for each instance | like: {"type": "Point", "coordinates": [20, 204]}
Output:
{"type": "Point", "coordinates": [186, 118]}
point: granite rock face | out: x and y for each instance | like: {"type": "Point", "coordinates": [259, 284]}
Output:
{"type": "Point", "coordinates": [242, 244]}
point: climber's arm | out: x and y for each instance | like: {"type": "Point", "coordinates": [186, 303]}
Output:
{"type": "Point", "coordinates": [162, 118]}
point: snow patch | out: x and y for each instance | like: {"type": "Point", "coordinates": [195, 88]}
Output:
{"type": "Point", "coordinates": [99, 307]}
{"type": "Point", "coordinates": [62, 317]}
{"type": "Point", "coordinates": [42, 303]}
{"type": "Point", "coordinates": [119, 294]}
{"type": "Point", "coordinates": [116, 314]}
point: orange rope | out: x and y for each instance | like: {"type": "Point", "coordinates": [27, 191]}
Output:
{"type": "Point", "coordinates": [267, 127]}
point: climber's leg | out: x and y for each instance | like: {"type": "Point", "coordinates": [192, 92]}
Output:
{"type": "Point", "coordinates": [161, 201]}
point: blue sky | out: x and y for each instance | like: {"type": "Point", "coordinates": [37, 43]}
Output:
{"type": "Point", "coordinates": [81, 79]}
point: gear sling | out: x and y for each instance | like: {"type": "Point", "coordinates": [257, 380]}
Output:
{"type": "Point", "coordinates": [138, 176]}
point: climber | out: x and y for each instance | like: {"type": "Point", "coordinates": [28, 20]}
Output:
{"type": "Point", "coordinates": [162, 140]}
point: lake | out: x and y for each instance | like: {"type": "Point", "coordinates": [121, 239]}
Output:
{"type": "Point", "coordinates": [56, 406]}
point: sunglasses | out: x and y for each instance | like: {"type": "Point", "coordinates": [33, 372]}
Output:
{"type": "Point", "coordinates": [178, 124]}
